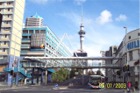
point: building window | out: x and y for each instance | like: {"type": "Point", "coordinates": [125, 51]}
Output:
{"type": "Point", "coordinates": [25, 31]}
{"type": "Point", "coordinates": [5, 36]}
{"type": "Point", "coordinates": [4, 43]}
{"type": "Point", "coordinates": [130, 55]}
{"type": "Point", "coordinates": [9, 3]}
{"type": "Point", "coordinates": [0, 3]}
{"type": "Point", "coordinates": [8, 9]}
{"type": "Point", "coordinates": [30, 31]}
{"type": "Point", "coordinates": [138, 34]}
{"type": "Point", "coordinates": [129, 37]}
{"type": "Point", "coordinates": [3, 50]}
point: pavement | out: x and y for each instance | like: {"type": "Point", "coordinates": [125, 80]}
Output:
{"type": "Point", "coordinates": [4, 87]}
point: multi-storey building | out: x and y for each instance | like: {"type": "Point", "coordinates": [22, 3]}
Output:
{"type": "Point", "coordinates": [41, 41]}
{"type": "Point", "coordinates": [11, 30]}
{"type": "Point", "coordinates": [129, 51]}
{"type": "Point", "coordinates": [35, 20]}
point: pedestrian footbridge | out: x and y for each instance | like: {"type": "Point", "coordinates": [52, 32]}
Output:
{"type": "Point", "coordinates": [66, 62]}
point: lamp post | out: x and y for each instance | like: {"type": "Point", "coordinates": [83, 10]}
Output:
{"type": "Point", "coordinates": [125, 44]}
{"type": "Point", "coordinates": [125, 52]}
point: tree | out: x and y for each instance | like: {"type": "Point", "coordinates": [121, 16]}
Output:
{"type": "Point", "coordinates": [99, 73]}
{"type": "Point", "coordinates": [61, 75]}
{"type": "Point", "coordinates": [91, 72]}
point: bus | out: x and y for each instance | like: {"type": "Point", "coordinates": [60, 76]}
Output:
{"type": "Point", "coordinates": [95, 81]}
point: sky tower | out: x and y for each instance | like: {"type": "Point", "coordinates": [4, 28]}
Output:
{"type": "Point", "coordinates": [81, 34]}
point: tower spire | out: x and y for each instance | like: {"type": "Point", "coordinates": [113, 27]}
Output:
{"type": "Point", "coordinates": [81, 32]}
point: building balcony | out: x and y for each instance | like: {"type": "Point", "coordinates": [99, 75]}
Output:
{"type": "Point", "coordinates": [9, 6]}
{"type": "Point", "coordinates": [4, 46]}
{"type": "Point", "coordinates": [26, 41]}
{"type": "Point", "coordinates": [7, 12]}
{"type": "Point", "coordinates": [4, 39]}
{"type": "Point", "coordinates": [4, 53]}
{"type": "Point", "coordinates": [26, 34]}
{"type": "Point", "coordinates": [6, 5]}
{"type": "Point", "coordinates": [33, 53]}
{"type": "Point", "coordinates": [25, 47]}
{"type": "Point", "coordinates": [7, 19]}
{"type": "Point", "coordinates": [5, 32]}
{"type": "Point", "coordinates": [6, 25]}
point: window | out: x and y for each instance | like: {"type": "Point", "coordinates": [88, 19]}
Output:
{"type": "Point", "coordinates": [130, 55]}
{"type": "Point", "coordinates": [3, 50]}
{"type": "Point", "coordinates": [8, 9]}
{"type": "Point", "coordinates": [4, 43]}
{"type": "Point", "coordinates": [30, 31]}
{"type": "Point", "coordinates": [8, 3]}
{"type": "Point", "coordinates": [0, 3]}
{"type": "Point", "coordinates": [138, 34]}
{"type": "Point", "coordinates": [129, 37]}
{"type": "Point", "coordinates": [5, 36]}
{"type": "Point", "coordinates": [25, 31]}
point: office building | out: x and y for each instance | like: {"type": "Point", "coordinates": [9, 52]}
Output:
{"type": "Point", "coordinates": [35, 20]}
{"type": "Point", "coordinates": [129, 51]}
{"type": "Point", "coordinates": [39, 40]}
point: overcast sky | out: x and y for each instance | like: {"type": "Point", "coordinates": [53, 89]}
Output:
{"type": "Point", "coordinates": [103, 20]}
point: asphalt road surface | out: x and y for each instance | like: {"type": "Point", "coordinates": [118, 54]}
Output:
{"type": "Point", "coordinates": [49, 89]}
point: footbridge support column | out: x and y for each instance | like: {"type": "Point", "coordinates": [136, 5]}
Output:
{"type": "Point", "coordinates": [46, 77]}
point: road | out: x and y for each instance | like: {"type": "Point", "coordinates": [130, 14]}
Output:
{"type": "Point", "coordinates": [50, 89]}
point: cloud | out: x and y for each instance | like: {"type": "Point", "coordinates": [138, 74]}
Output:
{"type": "Point", "coordinates": [79, 2]}
{"type": "Point", "coordinates": [121, 17]}
{"type": "Point", "coordinates": [105, 17]}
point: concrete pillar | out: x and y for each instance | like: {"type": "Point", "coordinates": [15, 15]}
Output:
{"type": "Point", "coordinates": [45, 77]}
{"type": "Point", "coordinates": [37, 76]}
{"type": "Point", "coordinates": [32, 75]}
{"type": "Point", "coordinates": [17, 78]}
{"type": "Point", "coordinates": [42, 77]}
{"type": "Point", "coordinates": [25, 81]}
{"type": "Point", "coordinates": [9, 80]}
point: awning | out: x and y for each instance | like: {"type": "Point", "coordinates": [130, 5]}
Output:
{"type": "Point", "coordinates": [51, 70]}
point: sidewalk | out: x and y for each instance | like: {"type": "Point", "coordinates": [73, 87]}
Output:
{"type": "Point", "coordinates": [13, 87]}
{"type": "Point", "coordinates": [136, 91]}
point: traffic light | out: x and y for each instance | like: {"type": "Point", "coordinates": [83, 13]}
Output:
{"type": "Point", "coordinates": [126, 68]}
{"type": "Point", "coordinates": [118, 72]}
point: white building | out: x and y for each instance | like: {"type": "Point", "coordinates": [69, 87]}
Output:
{"type": "Point", "coordinates": [35, 20]}
{"type": "Point", "coordinates": [130, 45]}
